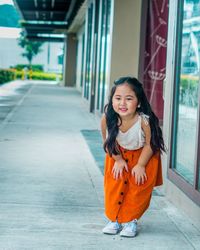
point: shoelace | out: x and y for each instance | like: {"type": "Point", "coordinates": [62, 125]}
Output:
{"type": "Point", "coordinates": [132, 225]}
{"type": "Point", "coordinates": [115, 224]}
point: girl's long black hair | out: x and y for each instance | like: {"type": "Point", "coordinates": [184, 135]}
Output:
{"type": "Point", "coordinates": [113, 120]}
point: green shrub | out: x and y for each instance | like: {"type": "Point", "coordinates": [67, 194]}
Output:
{"type": "Point", "coordinates": [189, 90]}
{"type": "Point", "coordinates": [38, 75]}
{"type": "Point", "coordinates": [18, 74]}
{"type": "Point", "coordinates": [6, 75]}
{"type": "Point", "coordinates": [189, 82]}
{"type": "Point", "coordinates": [43, 76]}
{"type": "Point", "coordinates": [35, 67]}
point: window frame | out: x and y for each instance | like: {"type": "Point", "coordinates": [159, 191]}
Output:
{"type": "Point", "coordinates": [192, 191]}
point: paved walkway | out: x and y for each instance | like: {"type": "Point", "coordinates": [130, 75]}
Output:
{"type": "Point", "coordinates": [51, 188]}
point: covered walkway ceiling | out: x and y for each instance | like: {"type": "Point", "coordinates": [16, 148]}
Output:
{"type": "Point", "coordinates": [47, 19]}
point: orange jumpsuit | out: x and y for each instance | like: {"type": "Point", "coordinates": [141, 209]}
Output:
{"type": "Point", "coordinates": [125, 200]}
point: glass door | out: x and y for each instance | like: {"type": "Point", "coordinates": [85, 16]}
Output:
{"type": "Point", "coordinates": [185, 128]}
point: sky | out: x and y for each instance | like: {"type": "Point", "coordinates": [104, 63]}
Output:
{"type": "Point", "coordinates": [6, 2]}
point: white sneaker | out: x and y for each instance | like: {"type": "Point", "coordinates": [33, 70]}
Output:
{"type": "Point", "coordinates": [112, 228]}
{"type": "Point", "coordinates": [130, 229]}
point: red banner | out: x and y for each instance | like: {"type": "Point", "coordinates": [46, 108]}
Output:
{"type": "Point", "coordinates": [155, 53]}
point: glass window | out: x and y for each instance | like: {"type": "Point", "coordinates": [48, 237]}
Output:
{"type": "Point", "coordinates": [100, 78]}
{"type": "Point", "coordinates": [104, 40]}
{"type": "Point", "coordinates": [187, 94]}
{"type": "Point", "coordinates": [88, 69]}
{"type": "Point", "coordinates": [107, 42]}
{"type": "Point", "coordinates": [82, 58]}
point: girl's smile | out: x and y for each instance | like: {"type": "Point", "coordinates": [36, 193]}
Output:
{"type": "Point", "coordinates": [123, 109]}
{"type": "Point", "coordinates": [125, 101]}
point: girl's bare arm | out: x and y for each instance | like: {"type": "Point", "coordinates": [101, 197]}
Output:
{"type": "Point", "coordinates": [103, 127]}
{"type": "Point", "coordinates": [146, 151]}
{"type": "Point", "coordinates": [120, 163]}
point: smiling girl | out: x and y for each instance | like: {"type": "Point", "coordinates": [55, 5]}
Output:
{"type": "Point", "coordinates": [133, 142]}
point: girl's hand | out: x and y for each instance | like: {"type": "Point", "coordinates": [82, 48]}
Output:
{"type": "Point", "coordinates": [139, 173]}
{"type": "Point", "coordinates": [118, 167]}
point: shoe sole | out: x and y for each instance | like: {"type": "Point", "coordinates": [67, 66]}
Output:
{"type": "Point", "coordinates": [112, 232]}
{"type": "Point", "coordinates": [128, 236]}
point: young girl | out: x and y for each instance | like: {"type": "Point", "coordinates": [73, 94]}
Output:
{"type": "Point", "coordinates": [133, 142]}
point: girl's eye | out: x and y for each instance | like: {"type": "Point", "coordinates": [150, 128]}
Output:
{"type": "Point", "coordinates": [117, 98]}
{"type": "Point", "coordinates": [129, 99]}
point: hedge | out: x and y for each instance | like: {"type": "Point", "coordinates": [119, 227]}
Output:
{"type": "Point", "coordinates": [34, 67]}
{"type": "Point", "coordinates": [188, 81]}
{"type": "Point", "coordinates": [39, 76]}
{"type": "Point", "coordinates": [6, 75]}
{"type": "Point", "coordinates": [189, 90]}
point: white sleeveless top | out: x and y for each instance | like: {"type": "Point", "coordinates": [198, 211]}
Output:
{"type": "Point", "coordinates": [134, 137]}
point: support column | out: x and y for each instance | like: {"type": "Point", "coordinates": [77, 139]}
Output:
{"type": "Point", "coordinates": [125, 37]}
{"type": "Point", "coordinates": [70, 60]}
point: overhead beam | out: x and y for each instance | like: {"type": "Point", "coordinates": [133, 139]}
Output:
{"type": "Point", "coordinates": [45, 39]}
{"type": "Point", "coordinates": [40, 11]}
{"type": "Point", "coordinates": [52, 3]}
{"type": "Point", "coordinates": [44, 26]}
{"type": "Point", "coordinates": [45, 32]}
{"type": "Point", "coordinates": [50, 17]}
{"type": "Point", "coordinates": [42, 33]}
{"type": "Point", "coordinates": [36, 3]}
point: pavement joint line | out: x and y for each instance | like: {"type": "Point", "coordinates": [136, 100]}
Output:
{"type": "Point", "coordinates": [170, 204]}
{"type": "Point", "coordinates": [94, 186]}
{"type": "Point", "coordinates": [16, 106]}
{"type": "Point", "coordinates": [46, 205]}
{"type": "Point", "coordinates": [173, 218]}
{"type": "Point", "coordinates": [184, 235]}
{"type": "Point", "coordinates": [92, 172]}
{"type": "Point", "coordinates": [178, 228]}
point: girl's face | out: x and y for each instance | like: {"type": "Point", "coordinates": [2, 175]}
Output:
{"type": "Point", "coordinates": [124, 101]}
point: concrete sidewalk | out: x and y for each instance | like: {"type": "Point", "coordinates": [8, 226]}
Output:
{"type": "Point", "coordinates": [52, 188]}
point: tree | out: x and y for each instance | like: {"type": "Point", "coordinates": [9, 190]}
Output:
{"type": "Point", "coordinates": [32, 48]}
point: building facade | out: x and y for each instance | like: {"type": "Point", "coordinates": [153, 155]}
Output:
{"type": "Point", "coordinates": [159, 43]}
